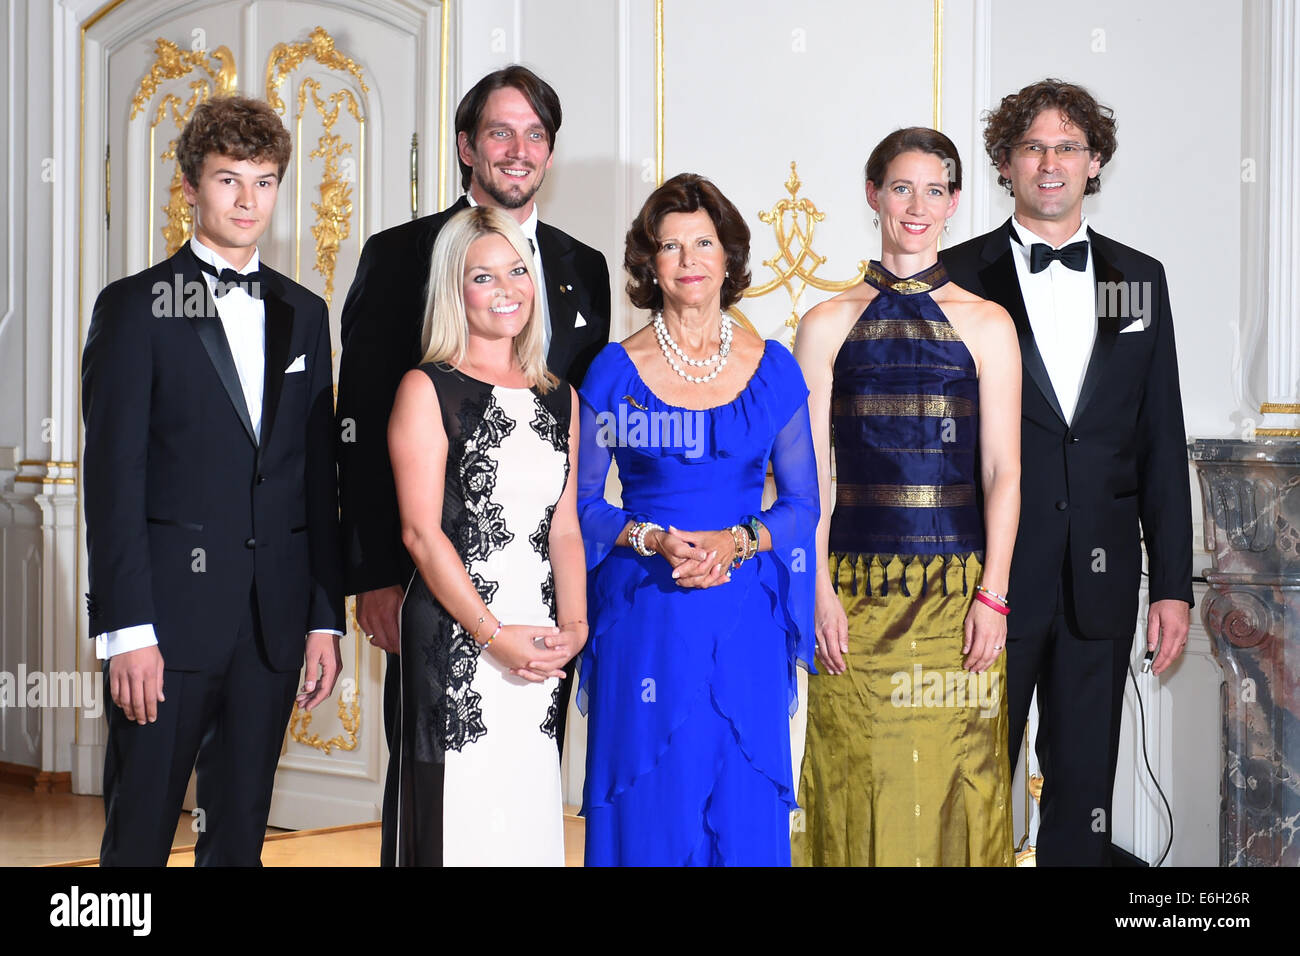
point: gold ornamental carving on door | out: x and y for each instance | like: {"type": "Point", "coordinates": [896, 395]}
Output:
{"type": "Point", "coordinates": [174, 73]}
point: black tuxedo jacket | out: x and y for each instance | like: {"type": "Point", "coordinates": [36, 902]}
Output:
{"type": "Point", "coordinates": [185, 510]}
{"type": "Point", "coordinates": [382, 319]}
{"type": "Point", "coordinates": [1087, 485]}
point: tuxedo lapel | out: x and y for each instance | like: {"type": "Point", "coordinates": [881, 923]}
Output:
{"type": "Point", "coordinates": [279, 330]}
{"type": "Point", "coordinates": [212, 334]}
{"type": "Point", "coordinates": [1104, 271]}
{"type": "Point", "coordinates": [1002, 285]}
{"type": "Point", "coordinates": [561, 295]}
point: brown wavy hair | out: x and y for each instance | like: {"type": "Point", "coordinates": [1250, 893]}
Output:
{"type": "Point", "coordinates": [685, 192]}
{"type": "Point", "coordinates": [1017, 112]}
{"type": "Point", "coordinates": [236, 126]}
{"type": "Point", "coordinates": [919, 139]}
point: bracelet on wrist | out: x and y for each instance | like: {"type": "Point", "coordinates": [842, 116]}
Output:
{"type": "Point", "coordinates": [636, 537]}
{"type": "Point", "coordinates": [740, 544]}
{"type": "Point", "coordinates": [989, 602]}
{"type": "Point", "coordinates": [1000, 598]}
{"type": "Point", "coordinates": [485, 644]}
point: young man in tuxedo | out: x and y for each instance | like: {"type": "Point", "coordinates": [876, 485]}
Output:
{"type": "Point", "coordinates": [1103, 455]}
{"type": "Point", "coordinates": [505, 136]}
{"type": "Point", "coordinates": [211, 507]}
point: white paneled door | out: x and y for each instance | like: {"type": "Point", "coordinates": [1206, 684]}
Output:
{"type": "Point", "coordinates": [359, 86]}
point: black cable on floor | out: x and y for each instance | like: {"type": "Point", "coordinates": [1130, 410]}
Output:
{"type": "Point", "coordinates": [1147, 760]}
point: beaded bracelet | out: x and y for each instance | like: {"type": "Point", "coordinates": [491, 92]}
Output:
{"type": "Point", "coordinates": [485, 644]}
{"type": "Point", "coordinates": [1000, 598]}
{"type": "Point", "coordinates": [636, 537]}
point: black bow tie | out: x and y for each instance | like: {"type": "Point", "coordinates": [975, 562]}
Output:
{"type": "Point", "coordinates": [227, 279]}
{"type": "Point", "coordinates": [1074, 256]}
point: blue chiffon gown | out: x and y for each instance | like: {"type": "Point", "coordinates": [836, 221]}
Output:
{"type": "Point", "coordinates": [688, 692]}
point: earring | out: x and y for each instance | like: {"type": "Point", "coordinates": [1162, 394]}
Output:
{"type": "Point", "coordinates": [875, 221]}
{"type": "Point", "coordinates": [945, 229]}
{"type": "Point", "coordinates": [726, 275]}
{"type": "Point", "coordinates": [654, 279]}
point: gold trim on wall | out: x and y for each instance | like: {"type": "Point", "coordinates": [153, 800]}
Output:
{"type": "Point", "coordinates": [442, 105]}
{"type": "Point", "coordinates": [936, 64]}
{"type": "Point", "coordinates": [334, 211]}
{"type": "Point", "coordinates": [105, 10]}
{"type": "Point", "coordinates": [786, 264]}
{"type": "Point", "coordinates": [173, 63]}
{"type": "Point", "coordinates": [659, 97]}
{"type": "Point", "coordinates": [349, 706]}
{"type": "Point", "coordinates": [793, 221]}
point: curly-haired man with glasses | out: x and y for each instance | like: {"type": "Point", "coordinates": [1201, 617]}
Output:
{"type": "Point", "coordinates": [1103, 461]}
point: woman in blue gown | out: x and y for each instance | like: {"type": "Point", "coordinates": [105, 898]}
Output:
{"type": "Point", "coordinates": [688, 679]}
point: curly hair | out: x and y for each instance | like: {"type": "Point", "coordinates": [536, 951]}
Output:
{"type": "Point", "coordinates": [919, 139]}
{"type": "Point", "coordinates": [1017, 112]}
{"type": "Point", "coordinates": [236, 126]}
{"type": "Point", "coordinates": [686, 193]}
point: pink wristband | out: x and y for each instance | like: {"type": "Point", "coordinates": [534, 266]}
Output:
{"type": "Point", "coordinates": [989, 602]}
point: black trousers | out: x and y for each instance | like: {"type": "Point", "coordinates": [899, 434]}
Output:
{"type": "Point", "coordinates": [1080, 701]}
{"type": "Point", "coordinates": [230, 722]}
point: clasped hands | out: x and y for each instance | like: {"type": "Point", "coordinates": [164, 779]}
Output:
{"type": "Point", "coordinates": [536, 653]}
{"type": "Point", "coordinates": [699, 559]}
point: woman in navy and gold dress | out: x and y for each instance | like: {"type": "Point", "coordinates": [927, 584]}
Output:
{"type": "Point", "coordinates": [916, 382]}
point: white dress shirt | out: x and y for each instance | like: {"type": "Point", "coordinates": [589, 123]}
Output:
{"type": "Point", "coordinates": [529, 228]}
{"type": "Point", "coordinates": [1062, 310]}
{"type": "Point", "coordinates": [243, 318]}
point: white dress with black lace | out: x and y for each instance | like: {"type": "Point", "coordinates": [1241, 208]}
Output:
{"type": "Point", "coordinates": [479, 774]}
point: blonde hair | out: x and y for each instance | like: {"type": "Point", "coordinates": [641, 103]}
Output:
{"type": "Point", "coordinates": [445, 336]}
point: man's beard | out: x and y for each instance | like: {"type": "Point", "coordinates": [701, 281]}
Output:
{"type": "Point", "coordinates": [514, 199]}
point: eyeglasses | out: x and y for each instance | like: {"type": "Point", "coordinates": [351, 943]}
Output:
{"type": "Point", "coordinates": [1038, 150]}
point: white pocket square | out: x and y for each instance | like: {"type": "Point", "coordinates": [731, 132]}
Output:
{"type": "Point", "coordinates": [297, 365]}
{"type": "Point", "coordinates": [1137, 325]}
{"type": "Point", "coordinates": [579, 322]}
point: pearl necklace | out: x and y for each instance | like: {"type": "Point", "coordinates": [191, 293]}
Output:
{"type": "Point", "coordinates": [719, 357]}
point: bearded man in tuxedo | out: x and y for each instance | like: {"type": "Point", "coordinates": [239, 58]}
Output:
{"type": "Point", "coordinates": [1103, 455]}
{"type": "Point", "coordinates": [505, 136]}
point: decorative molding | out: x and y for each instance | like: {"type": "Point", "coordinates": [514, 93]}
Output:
{"type": "Point", "coordinates": [659, 93]}
{"type": "Point", "coordinates": [1270, 254]}
{"type": "Point", "coordinates": [936, 66]}
{"type": "Point", "coordinates": [173, 63]}
{"type": "Point", "coordinates": [793, 221]}
{"type": "Point", "coordinates": [349, 705]}
{"type": "Point", "coordinates": [334, 211]}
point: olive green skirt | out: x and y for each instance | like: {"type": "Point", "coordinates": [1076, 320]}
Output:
{"type": "Point", "coordinates": [905, 759]}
